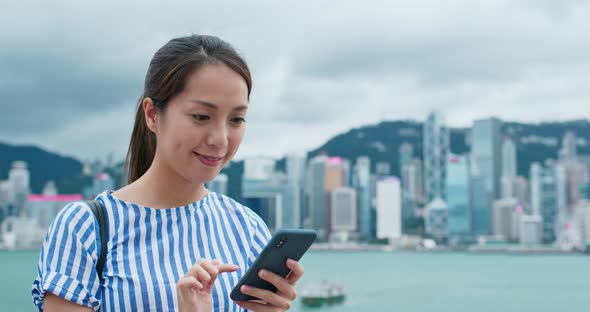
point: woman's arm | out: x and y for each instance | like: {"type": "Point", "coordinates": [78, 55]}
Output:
{"type": "Point", "coordinates": [53, 303]}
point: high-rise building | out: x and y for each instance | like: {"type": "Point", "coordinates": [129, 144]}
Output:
{"type": "Point", "coordinates": [531, 230]}
{"type": "Point", "coordinates": [315, 193]}
{"type": "Point", "coordinates": [362, 183]}
{"type": "Point", "coordinates": [436, 147]}
{"type": "Point", "coordinates": [19, 177]}
{"type": "Point", "coordinates": [486, 152]}
{"type": "Point", "coordinates": [343, 213]}
{"type": "Point", "coordinates": [406, 153]}
{"type": "Point", "coordinates": [266, 198]}
{"type": "Point", "coordinates": [569, 148]}
{"type": "Point", "coordinates": [509, 162]}
{"type": "Point", "coordinates": [481, 201]}
{"type": "Point", "coordinates": [535, 189]}
{"type": "Point", "coordinates": [294, 191]}
{"type": "Point", "coordinates": [504, 214]}
{"type": "Point", "coordinates": [547, 194]}
{"type": "Point", "coordinates": [389, 209]}
{"type": "Point", "coordinates": [459, 216]}
{"type": "Point", "coordinates": [333, 178]}
{"type": "Point", "coordinates": [346, 172]}
{"type": "Point", "coordinates": [437, 219]}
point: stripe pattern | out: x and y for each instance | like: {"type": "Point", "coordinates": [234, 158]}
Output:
{"type": "Point", "coordinates": [149, 250]}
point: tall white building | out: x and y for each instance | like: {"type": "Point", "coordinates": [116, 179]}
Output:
{"type": "Point", "coordinates": [503, 218]}
{"type": "Point", "coordinates": [343, 212]}
{"type": "Point", "coordinates": [436, 147]}
{"type": "Point", "coordinates": [19, 177]}
{"type": "Point", "coordinates": [389, 209]}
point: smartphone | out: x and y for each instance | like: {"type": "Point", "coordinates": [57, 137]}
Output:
{"type": "Point", "coordinates": [285, 244]}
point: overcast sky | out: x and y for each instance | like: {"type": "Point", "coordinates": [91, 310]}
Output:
{"type": "Point", "coordinates": [70, 73]}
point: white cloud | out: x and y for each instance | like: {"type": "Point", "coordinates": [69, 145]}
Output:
{"type": "Point", "coordinates": [319, 67]}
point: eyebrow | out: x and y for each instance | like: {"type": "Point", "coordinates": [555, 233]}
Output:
{"type": "Point", "coordinates": [214, 106]}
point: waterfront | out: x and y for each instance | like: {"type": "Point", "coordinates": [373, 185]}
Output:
{"type": "Point", "coordinates": [404, 281]}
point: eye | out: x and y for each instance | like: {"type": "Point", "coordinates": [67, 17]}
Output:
{"type": "Point", "coordinates": [238, 120]}
{"type": "Point", "coordinates": [200, 117]}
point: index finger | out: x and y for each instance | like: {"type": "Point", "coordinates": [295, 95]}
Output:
{"type": "Point", "coordinates": [227, 267]}
{"type": "Point", "coordinates": [296, 271]}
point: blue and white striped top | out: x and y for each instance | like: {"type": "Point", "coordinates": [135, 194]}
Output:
{"type": "Point", "coordinates": [149, 250]}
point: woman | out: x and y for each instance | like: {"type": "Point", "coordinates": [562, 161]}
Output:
{"type": "Point", "coordinates": [173, 245]}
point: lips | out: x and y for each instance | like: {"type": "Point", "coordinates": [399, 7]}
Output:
{"type": "Point", "coordinates": [208, 160]}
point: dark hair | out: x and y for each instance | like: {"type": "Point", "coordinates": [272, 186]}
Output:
{"type": "Point", "coordinates": [166, 77]}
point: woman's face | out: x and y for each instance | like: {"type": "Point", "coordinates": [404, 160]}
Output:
{"type": "Point", "coordinates": [202, 127]}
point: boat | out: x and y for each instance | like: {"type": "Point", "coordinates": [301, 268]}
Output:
{"type": "Point", "coordinates": [323, 293]}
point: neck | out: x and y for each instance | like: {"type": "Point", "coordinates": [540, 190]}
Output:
{"type": "Point", "coordinates": [162, 187]}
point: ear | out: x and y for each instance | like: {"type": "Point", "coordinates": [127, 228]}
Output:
{"type": "Point", "coordinates": [150, 114]}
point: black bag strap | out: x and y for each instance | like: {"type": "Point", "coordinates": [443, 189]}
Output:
{"type": "Point", "coordinates": [98, 210]}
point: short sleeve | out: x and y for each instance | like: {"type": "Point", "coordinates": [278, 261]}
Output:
{"type": "Point", "coordinates": [260, 237]}
{"type": "Point", "coordinates": [67, 262]}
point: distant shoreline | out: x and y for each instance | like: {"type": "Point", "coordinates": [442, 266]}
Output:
{"type": "Point", "coordinates": [475, 249]}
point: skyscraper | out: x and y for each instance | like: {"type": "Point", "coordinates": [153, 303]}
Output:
{"type": "Point", "coordinates": [437, 219]}
{"type": "Point", "coordinates": [343, 213]}
{"type": "Point", "coordinates": [316, 196]}
{"type": "Point", "coordinates": [389, 209]}
{"type": "Point", "coordinates": [569, 148]}
{"type": "Point", "coordinates": [480, 200]}
{"type": "Point", "coordinates": [362, 184]}
{"type": "Point", "coordinates": [436, 147]}
{"type": "Point", "coordinates": [531, 230]}
{"type": "Point", "coordinates": [504, 213]}
{"type": "Point", "coordinates": [19, 177]}
{"type": "Point", "coordinates": [294, 191]}
{"type": "Point", "coordinates": [509, 158]}
{"type": "Point", "coordinates": [486, 152]}
{"type": "Point", "coordinates": [334, 178]}
{"type": "Point", "coordinates": [406, 153]}
{"type": "Point", "coordinates": [546, 194]}
{"type": "Point", "coordinates": [459, 217]}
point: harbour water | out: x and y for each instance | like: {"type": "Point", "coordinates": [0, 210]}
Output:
{"type": "Point", "coordinates": [402, 281]}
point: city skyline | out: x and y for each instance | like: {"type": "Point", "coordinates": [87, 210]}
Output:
{"type": "Point", "coordinates": [68, 86]}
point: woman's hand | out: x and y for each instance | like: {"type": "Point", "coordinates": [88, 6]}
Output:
{"type": "Point", "coordinates": [270, 301]}
{"type": "Point", "coordinates": [194, 290]}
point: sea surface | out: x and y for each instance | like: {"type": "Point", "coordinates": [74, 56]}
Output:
{"type": "Point", "coordinates": [401, 281]}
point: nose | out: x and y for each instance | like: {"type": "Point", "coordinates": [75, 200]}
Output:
{"type": "Point", "coordinates": [218, 135]}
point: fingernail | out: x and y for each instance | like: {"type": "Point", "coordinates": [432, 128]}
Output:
{"type": "Point", "coordinates": [291, 261]}
{"type": "Point", "coordinates": [262, 273]}
{"type": "Point", "coordinates": [245, 288]}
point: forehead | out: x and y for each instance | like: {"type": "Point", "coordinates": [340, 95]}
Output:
{"type": "Point", "coordinates": [218, 84]}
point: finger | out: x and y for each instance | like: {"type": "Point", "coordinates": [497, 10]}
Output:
{"type": "Point", "coordinates": [212, 270]}
{"type": "Point", "coordinates": [199, 273]}
{"type": "Point", "coordinates": [270, 297]}
{"type": "Point", "coordinates": [296, 271]}
{"type": "Point", "coordinates": [284, 288]}
{"type": "Point", "coordinates": [227, 268]}
{"type": "Point", "coordinates": [189, 282]}
{"type": "Point", "coordinates": [216, 262]}
{"type": "Point", "coordinates": [253, 306]}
